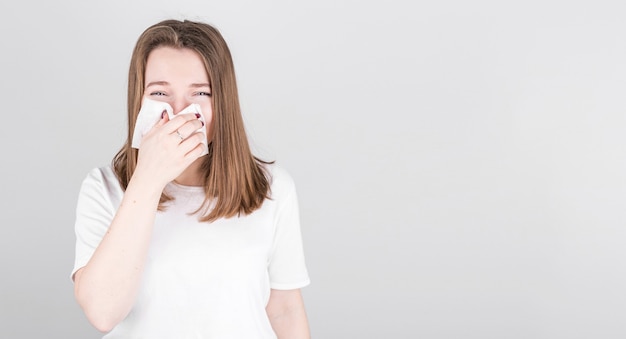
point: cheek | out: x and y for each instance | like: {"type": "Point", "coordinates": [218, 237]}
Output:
{"type": "Point", "coordinates": [207, 111]}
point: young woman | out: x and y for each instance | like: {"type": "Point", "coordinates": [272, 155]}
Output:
{"type": "Point", "coordinates": [190, 235]}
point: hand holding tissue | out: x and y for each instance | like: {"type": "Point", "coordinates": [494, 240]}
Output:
{"type": "Point", "coordinates": [150, 114]}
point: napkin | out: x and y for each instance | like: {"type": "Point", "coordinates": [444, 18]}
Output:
{"type": "Point", "coordinates": [150, 114]}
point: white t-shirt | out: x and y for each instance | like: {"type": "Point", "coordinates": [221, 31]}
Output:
{"type": "Point", "coordinates": [201, 280]}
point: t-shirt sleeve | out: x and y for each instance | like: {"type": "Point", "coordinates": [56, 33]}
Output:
{"type": "Point", "coordinates": [94, 213]}
{"type": "Point", "coordinates": [287, 268]}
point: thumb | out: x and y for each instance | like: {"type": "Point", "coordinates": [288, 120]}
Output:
{"type": "Point", "coordinates": [164, 119]}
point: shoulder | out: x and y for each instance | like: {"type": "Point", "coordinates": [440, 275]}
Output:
{"type": "Point", "coordinates": [102, 181]}
{"type": "Point", "coordinates": [281, 181]}
{"type": "Point", "coordinates": [103, 175]}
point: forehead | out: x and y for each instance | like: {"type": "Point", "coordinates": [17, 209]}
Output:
{"type": "Point", "coordinates": [175, 65]}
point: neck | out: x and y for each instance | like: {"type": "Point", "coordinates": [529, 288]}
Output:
{"type": "Point", "coordinates": [191, 176]}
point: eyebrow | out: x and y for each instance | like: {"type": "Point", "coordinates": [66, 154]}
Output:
{"type": "Point", "coordinates": [155, 83]}
{"type": "Point", "coordinates": [165, 83]}
{"type": "Point", "coordinates": [205, 84]}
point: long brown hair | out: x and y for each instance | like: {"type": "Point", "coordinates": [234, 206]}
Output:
{"type": "Point", "coordinates": [235, 181]}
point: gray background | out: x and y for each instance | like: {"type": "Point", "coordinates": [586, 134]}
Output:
{"type": "Point", "coordinates": [460, 165]}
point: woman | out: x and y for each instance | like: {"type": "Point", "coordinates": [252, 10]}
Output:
{"type": "Point", "coordinates": [190, 235]}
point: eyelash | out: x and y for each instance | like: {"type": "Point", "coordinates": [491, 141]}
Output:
{"type": "Point", "coordinates": [198, 93]}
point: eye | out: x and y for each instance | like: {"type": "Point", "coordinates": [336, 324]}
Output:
{"type": "Point", "coordinates": [158, 93]}
{"type": "Point", "coordinates": [203, 94]}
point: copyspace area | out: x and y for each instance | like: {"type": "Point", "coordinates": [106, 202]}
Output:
{"type": "Point", "coordinates": [460, 165]}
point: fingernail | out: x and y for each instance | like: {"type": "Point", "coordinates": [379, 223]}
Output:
{"type": "Point", "coordinates": [162, 114]}
{"type": "Point", "coordinates": [202, 123]}
{"type": "Point", "coordinates": [198, 115]}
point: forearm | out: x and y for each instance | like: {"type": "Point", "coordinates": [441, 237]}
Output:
{"type": "Point", "coordinates": [287, 315]}
{"type": "Point", "coordinates": [106, 287]}
{"type": "Point", "coordinates": [291, 325]}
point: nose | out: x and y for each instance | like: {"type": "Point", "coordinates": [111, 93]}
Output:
{"type": "Point", "coordinates": [179, 104]}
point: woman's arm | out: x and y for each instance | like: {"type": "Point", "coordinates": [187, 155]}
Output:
{"type": "Point", "coordinates": [106, 287]}
{"type": "Point", "coordinates": [286, 313]}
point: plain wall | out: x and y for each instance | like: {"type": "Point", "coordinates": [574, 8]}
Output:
{"type": "Point", "coordinates": [460, 164]}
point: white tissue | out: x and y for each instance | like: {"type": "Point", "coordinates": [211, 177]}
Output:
{"type": "Point", "coordinates": [150, 114]}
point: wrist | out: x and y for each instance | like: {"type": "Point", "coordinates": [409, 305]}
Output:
{"type": "Point", "coordinates": [145, 184]}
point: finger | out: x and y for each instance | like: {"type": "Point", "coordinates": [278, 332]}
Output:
{"type": "Point", "coordinates": [192, 142]}
{"type": "Point", "coordinates": [192, 156]}
{"type": "Point", "coordinates": [164, 119]}
{"type": "Point", "coordinates": [195, 152]}
{"type": "Point", "coordinates": [179, 120]}
{"type": "Point", "coordinates": [189, 128]}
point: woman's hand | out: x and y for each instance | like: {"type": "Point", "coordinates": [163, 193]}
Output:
{"type": "Point", "coordinates": [170, 147]}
